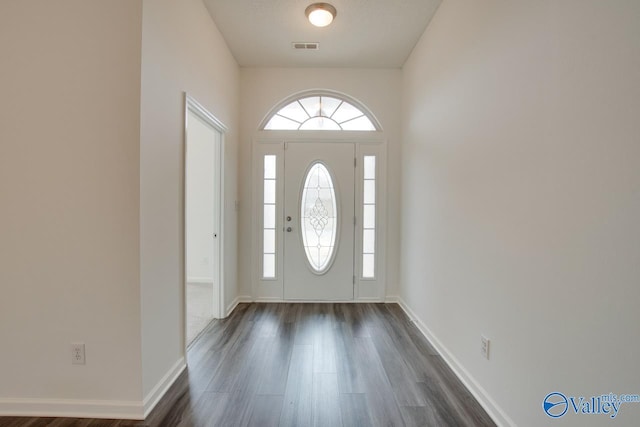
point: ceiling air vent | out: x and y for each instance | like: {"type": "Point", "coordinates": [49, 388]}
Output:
{"type": "Point", "coordinates": [305, 45]}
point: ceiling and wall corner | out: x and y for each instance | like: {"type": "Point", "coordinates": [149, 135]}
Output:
{"type": "Point", "coordinates": [365, 33]}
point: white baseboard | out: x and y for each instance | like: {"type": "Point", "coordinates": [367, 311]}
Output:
{"type": "Point", "coordinates": [311, 301]}
{"type": "Point", "coordinates": [79, 408]}
{"type": "Point", "coordinates": [72, 408]}
{"type": "Point", "coordinates": [237, 300]}
{"type": "Point", "coordinates": [495, 412]}
{"type": "Point", "coordinates": [154, 396]}
{"type": "Point", "coordinates": [393, 299]}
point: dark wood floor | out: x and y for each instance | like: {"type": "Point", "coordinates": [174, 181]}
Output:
{"type": "Point", "coordinates": [308, 365]}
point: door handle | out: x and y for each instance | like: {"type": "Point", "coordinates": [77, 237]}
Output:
{"type": "Point", "coordinates": [288, 218]}
{"type": "Point", "coordinates": [289, 229]}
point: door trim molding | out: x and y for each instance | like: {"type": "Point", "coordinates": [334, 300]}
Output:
{"type": "Point", "coordinates": [191, 105]}
{"type": "Point", "coordinates": [273, 142]}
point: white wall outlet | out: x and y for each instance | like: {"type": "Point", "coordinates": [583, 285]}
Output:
{"type": "Point", "coordinates": [484, 346]}
{"type": "Point", "coordinates": [77, 353]}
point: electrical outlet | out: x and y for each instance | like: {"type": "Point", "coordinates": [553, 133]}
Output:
{"type": "Point", "coordinates": [77, 353]}
{"type": "Point", "coordinates": [484, 346]}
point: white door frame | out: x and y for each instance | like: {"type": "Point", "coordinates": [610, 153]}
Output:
{"type": "Point", "coordinates": [193, 106]}
{"type": "Point", "coordinates": [272, 142]}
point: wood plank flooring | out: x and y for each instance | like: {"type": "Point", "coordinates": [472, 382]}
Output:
{"type": "Point", "coordinates": [307, 365]}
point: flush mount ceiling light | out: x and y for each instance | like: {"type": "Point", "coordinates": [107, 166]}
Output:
{"type": "Point", "coordinates": [321, 14]}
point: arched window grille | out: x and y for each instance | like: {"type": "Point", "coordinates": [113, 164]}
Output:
{"type": "Point", "coordinates": [320, 112]}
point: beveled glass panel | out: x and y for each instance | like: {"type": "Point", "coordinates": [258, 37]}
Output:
{"type": "Point", "coordinates": [311, 105]}
{"type": "Point", "coordinates": [269, 266]}
{"type": "Point", "coordinates": [368, 266]}
{"type": "Point", "coordinates": [346, 112]}
{"type": "Point", "coordinates": [269, 241]}
{"type": "Point", "coordinates": [361, 123]}
{"type": "Point", "coordinates": [269, 218]}
{"type": "Point", "coordinates": [320, 123]}
{"type": "Point", "coordinates": [270, 166]}
{"type": "Point", "coordinates": [369, 241]}
{"type": "Point", "coordinates": [269, 191]}
{"type": "Point", "coordinates": [369, 194]}
{"type": "Point", "coordinates": [369, 167]}
{"type": "Point", "coordinates": [329, 105]}
{"type": "Point", "coordinates": [281, 123]}
{"type": "Point", "coordinates": [319, 221]}
{"type": "Point", "coordinates": [369, 216]}
{"type": "Point", "coordinates": [294, 111]}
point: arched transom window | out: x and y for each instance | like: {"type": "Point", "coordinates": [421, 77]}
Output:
{"type": "Point", "coordinates": [320, 113]}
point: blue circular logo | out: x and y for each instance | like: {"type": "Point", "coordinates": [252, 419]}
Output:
{"type": "Point", "coordinates": [555, 404]}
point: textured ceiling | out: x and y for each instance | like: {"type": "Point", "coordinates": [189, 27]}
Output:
{"type": "Point", "coordinates": [365, 33]}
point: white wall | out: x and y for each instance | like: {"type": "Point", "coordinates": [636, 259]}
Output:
{"type": "Point", "coordinates": [263, 88]}
{"type": "Point", "coordinates": [182, 50]}
{"type": "Point", "coordinates": [69, 166]}
{"type": "Point", "coordinates": [521, 200]}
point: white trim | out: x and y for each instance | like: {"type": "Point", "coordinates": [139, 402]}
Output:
{"type": "Point", "coordinates": [497, 414]}
{"type": "Point", "coordinates": [104, 409]}
{"type": "Point", "coordinates": [72, 408]}
{"type": "Point", "coordinates": [190, 104]}
{"type": "Point", "coordinates": [322, 301]}
{"type": "Point", "coordinates": [237, 300]}
{"type": "Point", "coordinates": [198, 109]}
{"type": "Point", "coordinates": [154, 396]}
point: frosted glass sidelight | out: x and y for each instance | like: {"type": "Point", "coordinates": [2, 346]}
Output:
{"type": "Point", "coordinates": [368, 266]}
{"type": "Point", "coordinates": [269, 217]}
{"type": "Point", "coordinates": [270, 167]}
{"type": "Point", "coordinates": [369, 217]}
{"type": "Point", "coordinates": [319, 217]}
{"type": "Point", "coordinates": [369, 167]}
{"type": "Point", "coordinates": [369, 194]}
{"type": "Point", "coordinates": [269, 191]}
{"type": "Point", "coordinates": [369, 241]}
{"type": "Point", "coordinates": [269, 266]}
{"type": "Point", "coordinates": [269, 241]}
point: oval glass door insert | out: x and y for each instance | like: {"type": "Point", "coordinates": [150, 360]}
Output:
{"type": "Point", "coordinates": [319, 218]}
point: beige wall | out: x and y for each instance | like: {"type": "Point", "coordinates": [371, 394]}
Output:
{"type": "Point", "coordinates": [263, 88]}
{"type": "Point", "coordinates": [69, 202]}
{"type": "Point", "coordinates": [182, 51]}
{"type": "Point", "coordinates": [521, 177]}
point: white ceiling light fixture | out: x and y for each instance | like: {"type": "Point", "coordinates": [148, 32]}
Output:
{"type": "Point", "coordinates": [321, 14]}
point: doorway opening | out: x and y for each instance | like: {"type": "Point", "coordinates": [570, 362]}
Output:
{"type": "Point", "coordinates": [203, 192]}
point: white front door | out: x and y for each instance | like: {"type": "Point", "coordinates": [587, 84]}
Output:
{"type": "Point", "coordinates": [319, 221]}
